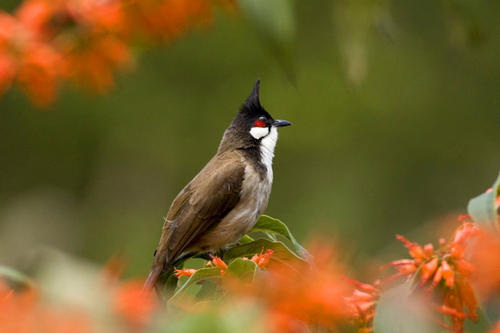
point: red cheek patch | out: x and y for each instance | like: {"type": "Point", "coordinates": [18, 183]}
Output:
{"type": "Point", "coordinates": [259, 123]}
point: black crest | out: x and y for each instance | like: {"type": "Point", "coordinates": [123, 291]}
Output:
{"type": "Point", "coordinates": [251, 108]}
{"type": "Point", "coordinates": [252, 104]}
{"type": "Point", "coordinates": [237, 135]}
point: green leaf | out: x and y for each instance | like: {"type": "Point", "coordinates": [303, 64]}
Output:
{"type": "Point", "coordinates": [282, 253]}
{"type": "Point", "coordinates": [482, 208]}
{"type": "Point", "coordinates": [15, 276]}
{"type": "Point", "coordinates": [269, 225]}
{"type": "Point", "coordinates": [480, 326]}
{"type": "Point", "coordinates": [200, 276]}
{"type": "Point", "coordinates": [274, 21]}
{"type": "Point", "coordinates": [195, 322]}
{"type": "Point", "coordinates": [242, 269]}
{"type": "Point", "coordinates": [245, 239]}
{"type": "Point", "coordinates": [208, 289]}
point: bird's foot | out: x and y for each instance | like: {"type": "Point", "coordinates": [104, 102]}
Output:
{"type": "Point", "coordinates": [183, 258]}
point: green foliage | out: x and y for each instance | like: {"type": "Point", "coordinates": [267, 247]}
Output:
{"type": "Point", "coordinates": [14, 276]}
{"type": "Point", "coordinates": [483, 324]}
{"type": "Point", "coordinates": [482, 208]}
{"type": "Point", "coordinates": [271, 226]}
{"type": "Point", "coordinates": [275, 24]}
{"type": "Point", "coordinates": [201, 275]}
{"type": "Point", "coordinates": [242, 269]}
{"type": "Point", "coordinates": [237, 256]}
{"type": "Point", "coordinates": [282, 253]}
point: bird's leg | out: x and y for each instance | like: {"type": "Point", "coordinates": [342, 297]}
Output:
{"type": "Point", "coordinates": [209, 254]}
{"type": "Point", "coordinates": [205, 255]}
{"type": "Point", "coordinates": [220, 252]}
{"type": "Point", "coordinates": [183, 258]}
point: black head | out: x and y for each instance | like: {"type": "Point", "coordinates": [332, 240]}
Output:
{"type": "Point", "coordinates": [253, 120]}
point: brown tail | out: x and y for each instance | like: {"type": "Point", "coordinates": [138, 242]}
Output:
{"type": "Point", "coordinates": [152, 279]}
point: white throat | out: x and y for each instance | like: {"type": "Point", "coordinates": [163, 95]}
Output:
{"type": "Point", "coordinates": [267, 145]}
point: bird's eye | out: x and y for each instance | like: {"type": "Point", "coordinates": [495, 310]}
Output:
{"type": "Point", "coordinates": [259, 123]}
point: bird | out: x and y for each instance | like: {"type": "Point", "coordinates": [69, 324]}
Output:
{"type": "Point", "coordinates": [225, 199]}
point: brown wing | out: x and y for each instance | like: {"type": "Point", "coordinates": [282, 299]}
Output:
{"type": "Point", "coordinates": [204, 202]}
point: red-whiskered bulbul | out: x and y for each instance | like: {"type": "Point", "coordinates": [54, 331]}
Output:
{"type": "Point", "coordinates": [225, 199]}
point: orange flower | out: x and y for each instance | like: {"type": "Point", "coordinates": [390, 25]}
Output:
{"type": "Point", "coordinates": [446, 264]}
{"type": "Point", "coordinates": [23, 312]}
{"type": "Point", "coordinates": [8, 65]}
{"type": "Point", "coordinates": [184, 272]}
{"type": "Point", "coordinates": [91, 64]}
{"type": "Point", "coordinates": [90, 53]}
{"type": "Point", "coordinates": [165, 20]}
{"type": "Point", "coordinates": [448, 274]}
{"type": "Point", "coordinates": [362, 302]}
{"type": "Point", "coordinates": [428, 270]}
{"type": "Point", "coordinates": [497, 205]}
{"type": "Point", "coordinates": [496, 329]}
{"type": "Point", "coordinates": [114, 268]}
{"type": "Point", "coordinates": [7, 71]}
{"type": "Point", "coordinates": [38, 73]}
{"type": "Point", "coordinates": [51, 18]}
{"type": "Point", "coordinates": [416, 250]}
{"type": "Point", "coordinates": [296, 294]}
{"type": "Point", "coordinates": [134, 304]}
{"type": "Point", "coordinates": [485, 256]}
{"type": "Point", "coordinates": [464, 233]}
{"type": "Point", "coordinates": [219, 263]}
{"type": "Point", "coordinates": [262, 259]}
{"type": "Point", "coordinates": [30, 62]}
{"type": "Point", "coordinates": [86, 41]}
{"type": "Point", "coordinates": [36, 15]}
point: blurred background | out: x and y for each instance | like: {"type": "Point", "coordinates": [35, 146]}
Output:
{"type": "Point", "coordinates": [395, 110]}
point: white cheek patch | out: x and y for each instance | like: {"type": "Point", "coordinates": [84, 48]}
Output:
{"type": "Point", "coordinates": [267, 146]}
{"type": "Point", "coordinates": [259, 132]}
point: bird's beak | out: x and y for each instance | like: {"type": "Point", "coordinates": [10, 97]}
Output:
{"type": "Point", "coordinates": [281, 123]}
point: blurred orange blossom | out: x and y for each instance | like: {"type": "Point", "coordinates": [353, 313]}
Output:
{"type": "Point", "coordinates": [86, 41]}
